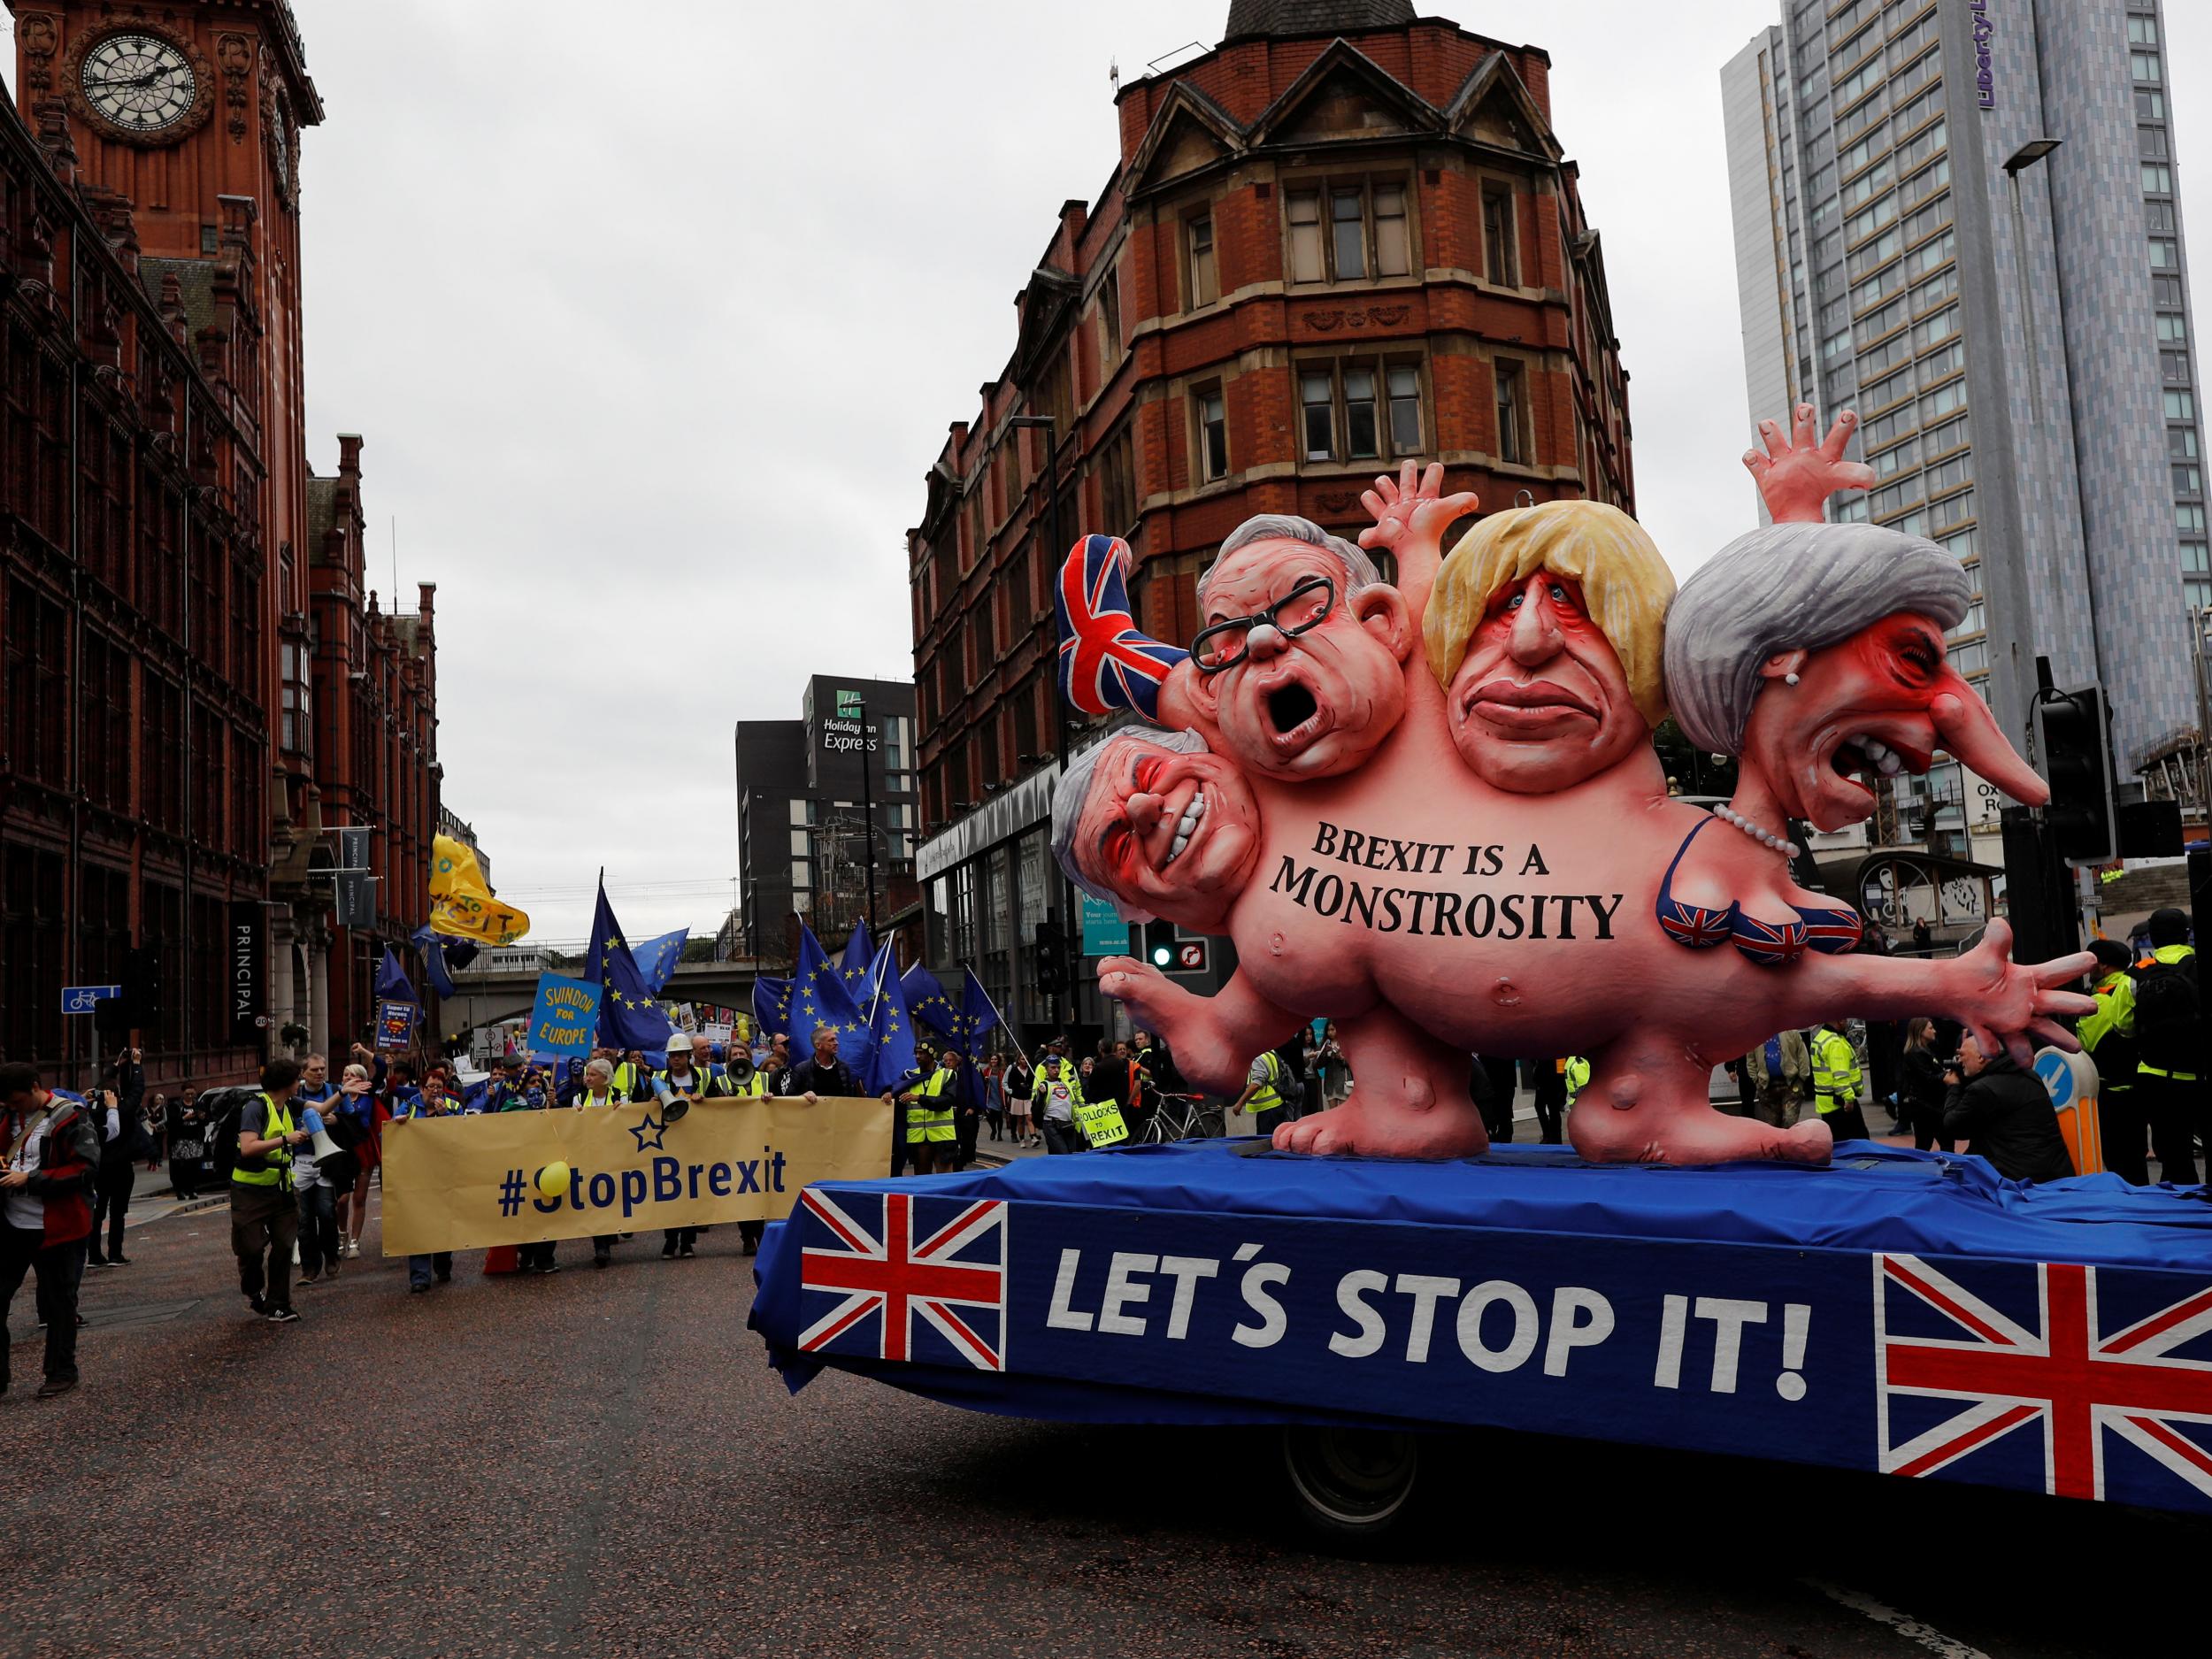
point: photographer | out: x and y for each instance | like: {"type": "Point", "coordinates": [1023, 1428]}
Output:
{"type": "Point", "coordinates": [122, 1143]}
{"type": "Point", "coordinates": [2006, 1113]}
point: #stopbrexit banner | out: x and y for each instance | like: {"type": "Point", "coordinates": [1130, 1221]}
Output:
{"type": "Point", "coordinates": [523, 1176]}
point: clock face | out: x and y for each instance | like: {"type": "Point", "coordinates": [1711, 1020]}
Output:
{"type": "Point", "coordinates": [140, 84]}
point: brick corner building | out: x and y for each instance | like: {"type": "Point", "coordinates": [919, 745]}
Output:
{"type": "Point", "coordinates": [198, 688]}
{"type": "Point", "coordinates": [1345, 237]}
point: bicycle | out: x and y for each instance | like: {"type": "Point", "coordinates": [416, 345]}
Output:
{"type": "Point", "coordinates": [1182, 1117]}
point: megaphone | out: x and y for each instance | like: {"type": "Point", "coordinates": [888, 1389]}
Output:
{"type": "Point", "coordinates": [740, 1068]}
{"type": "Point", "coordinates": [326, 1148]}
{"type": "Point", "coordinates": [675, 1110]}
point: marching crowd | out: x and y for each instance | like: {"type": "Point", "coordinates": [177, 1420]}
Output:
{"type": "Point", "coordinates": [298, 1156]}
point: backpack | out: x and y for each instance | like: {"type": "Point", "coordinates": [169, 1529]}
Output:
{"type": "Point", "coordinates": [222, 1131]}
{"type": "Point", "coordinates": [2169, 1015]}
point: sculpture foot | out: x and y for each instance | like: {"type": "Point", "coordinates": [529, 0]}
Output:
{"type": "Point", "coordinates": [1355, 1127]}
{"type": "Point", "coordinates": [1657, 1134]}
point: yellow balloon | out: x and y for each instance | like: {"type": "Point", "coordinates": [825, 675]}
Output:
{"type": "Point", "coordinates": [553, 1180]}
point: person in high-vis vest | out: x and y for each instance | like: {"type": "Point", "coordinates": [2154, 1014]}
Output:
{"type": "Point", "coordinates": [598, 1092]}
{"type": "Point", "coordinates": [682, 1078]}
{"type": "Point", "coordinates": [265, 1220]}
{"type": "Point", "coordinates": [1054, 1097]}
{"type": "Point", "coordinates": [2107, 1037]}
{"type": "Point", "coordinates": [2170, 1045]}
{"type": "Point", "coordinates": [1263, 1094]}
{"type": "Point", "coordinates": [1576, 1069]}
{"type": "Point", "coordinates": [1836, 1078]}
{"type": "Point", "coordinates": [927, 1108]}
{"type": "Point", "coordinates": [754, 1086]}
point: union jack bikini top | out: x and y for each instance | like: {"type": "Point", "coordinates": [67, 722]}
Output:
{"type": "Point", "coordinates": [1696, 928]}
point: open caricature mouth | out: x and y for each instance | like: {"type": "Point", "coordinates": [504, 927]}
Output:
{"type": "Point", "coordinates": [1289, 707]}
{"type": "Point", "coordinates": [1188, 827]}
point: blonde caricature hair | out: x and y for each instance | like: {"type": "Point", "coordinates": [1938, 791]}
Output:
{"type": "Point", "coordinates": [1625, 583]}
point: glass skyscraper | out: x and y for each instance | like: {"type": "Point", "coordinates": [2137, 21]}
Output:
{"type": "Point", "coordinates": [2009, 316]}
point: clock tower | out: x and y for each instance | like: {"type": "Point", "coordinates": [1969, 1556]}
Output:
{"type": "Point", "coordinates": [190, 111]}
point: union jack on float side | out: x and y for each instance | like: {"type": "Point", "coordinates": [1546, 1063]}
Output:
{"type": "Point", "coordinates": [904, 1277]}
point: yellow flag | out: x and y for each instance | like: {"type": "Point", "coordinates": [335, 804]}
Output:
{"type": "Point", "coordinates": [461, 901]}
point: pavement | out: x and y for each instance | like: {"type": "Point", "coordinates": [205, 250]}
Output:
{"type": "Point", "coordinates": [600, 1462]}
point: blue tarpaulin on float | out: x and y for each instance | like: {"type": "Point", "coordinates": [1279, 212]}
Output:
{"type": "Point", "coordinates": [1908, 1312]}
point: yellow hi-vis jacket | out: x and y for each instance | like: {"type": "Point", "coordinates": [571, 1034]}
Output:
{"type": "Point", "coordinates": [1835, 1071]}
{"type": "Point", "coordinates": [929, 1110]}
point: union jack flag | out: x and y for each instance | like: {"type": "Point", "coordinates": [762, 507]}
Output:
{"type": "Point", "coordinates": [2063, 1379]}
{"type": "Point", "coordinates": [1693, 925]}
{"type": "Point", "coordinates": [1832, 932]}
{"type": "Point", "coordinates": [904, 1276]}
{"type": "Point", "coordinates": [1105, 661]}
{"type": "Point", "coordinates": [1771, 944]}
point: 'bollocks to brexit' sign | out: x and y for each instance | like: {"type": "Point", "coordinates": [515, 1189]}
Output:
{"type": "Point", "coordinates": [467, 1182]}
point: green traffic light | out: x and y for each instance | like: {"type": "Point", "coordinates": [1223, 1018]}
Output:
{"type": "Point", "coordinates": [1161, 956]}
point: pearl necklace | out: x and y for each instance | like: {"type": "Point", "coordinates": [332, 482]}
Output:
{"type": "Point", "coordinates": [1781, 844]}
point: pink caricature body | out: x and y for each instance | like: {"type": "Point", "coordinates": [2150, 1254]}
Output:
{"type": "Point", "coordinates": [1478, 866]}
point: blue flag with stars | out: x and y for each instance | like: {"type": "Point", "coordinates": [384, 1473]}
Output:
{"type": "Point", "coordinates": [656, 958]}
{"type": "Point", "coordinates": [391, 981]}
{"type": "Point", "coordinates": [856, 967]}
{"type": "Point", "coordinates": [771, 1005]}
{"type": "Point", "coordinates": [441, 954]}
{"type": "Point", "coordinates": [629, 1017]}
{"type": "Point", "coordinates": [890, 1034]}
{"type": "Point", "coordinates": [926, 998]}
{"type": "Point", "coordinates": [978, 1013]}
{"type": "Point", "coordinates": [818, 997]}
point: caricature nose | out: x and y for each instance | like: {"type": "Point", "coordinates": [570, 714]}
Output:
{"type": "Point", "coordinates": [1535, 637]}
{"type": "Point", "coordinates": [1265, 642]}
{"type": "Point", "coordinates": [1143, 811]}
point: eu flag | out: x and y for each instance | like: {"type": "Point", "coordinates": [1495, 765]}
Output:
{"type": "Point", "coordinates": [926, 998]}
{"type": "Point", "coordinates": [441, 954]}
{"type": "Point", "coordinates": [391, 981]}
{"type": "Point", "coordinates": [978, 1012]}
{"type": "Point", "coordinates": [818, 998]}
{"type": "Point", "coordinates": [890, 1036]}
{"type": "Point", "coordinates": [656, 958]}
{"type": "Point", "coordinates": [629, 1017]}
{"type": "Point", "coordinates": [857, 966]}
{"type": "Point", "coordinates": [771, 1005]}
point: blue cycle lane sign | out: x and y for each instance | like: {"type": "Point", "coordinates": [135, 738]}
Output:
{"type": "Point", "coordinates": [79, 999]}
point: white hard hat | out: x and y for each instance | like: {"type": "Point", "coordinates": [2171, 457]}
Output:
{"type": "Point", "coordinates": [678, 1043]}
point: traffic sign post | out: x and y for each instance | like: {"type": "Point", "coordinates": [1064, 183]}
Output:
{"type": "Point", "coordinates": [82, 999]}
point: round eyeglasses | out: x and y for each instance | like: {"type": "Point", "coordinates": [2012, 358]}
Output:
{"type": "Point", "coordinates": [1225, 644]}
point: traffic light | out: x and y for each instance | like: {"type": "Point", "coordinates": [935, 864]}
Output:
{"type": "Point", "coordinates": [2074, 737]}
{"type": "Point", "coordinates": [1051, 957]}
{"type": "Point", "coordinates": [1159, 944]}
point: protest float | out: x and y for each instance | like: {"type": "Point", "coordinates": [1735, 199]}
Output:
{"type": "Point", "coordinates": [1429, 810]}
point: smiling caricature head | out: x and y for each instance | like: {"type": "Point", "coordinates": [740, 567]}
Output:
{"type": "Point", "coordinates": [1816, 653]}
{"type": "Point", "coordinates": [1544, 631]}
{"type": "Point", "coordinates": [1313, 692]}
{"type": "Point", "coordinates": [1154, 824]}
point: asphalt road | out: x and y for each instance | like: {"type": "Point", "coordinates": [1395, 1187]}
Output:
{"type": "Point", "coordinates": [600, 1463]}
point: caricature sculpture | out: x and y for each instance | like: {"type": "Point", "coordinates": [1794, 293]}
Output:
{"type": "Point", "coordinates": [1432, 813]}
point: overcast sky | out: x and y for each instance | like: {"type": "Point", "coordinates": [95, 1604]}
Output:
{"type": "Point", "coordinates": [653, 317]}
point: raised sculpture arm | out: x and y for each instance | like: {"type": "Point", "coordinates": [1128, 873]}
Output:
{"type": "Point", "coordinates": [1800, 472]}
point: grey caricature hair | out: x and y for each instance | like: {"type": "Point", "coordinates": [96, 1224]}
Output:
{"type": "Point", "coordinates": [1075, 789]}
{"type": "Point", "coordinates": [1791, 587]}
{"type": "Point", "coordinates": [1359, 570]}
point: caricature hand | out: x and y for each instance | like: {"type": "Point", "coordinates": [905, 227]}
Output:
{"type": "Point", "coordinates": [1799, 472]}
{"type": "Point", "coordinates": [1412, 506]}
{"type": "Point", "coordinates": [2004, 1003]}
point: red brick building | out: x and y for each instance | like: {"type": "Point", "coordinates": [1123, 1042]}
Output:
{"type": "Point", "coordinates": [1344, 237]}
{"type": "Point", "coordinates": [197, 687]}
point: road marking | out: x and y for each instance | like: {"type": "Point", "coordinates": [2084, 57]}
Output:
{"type": "Point", "coordinates": [1934, 1641]}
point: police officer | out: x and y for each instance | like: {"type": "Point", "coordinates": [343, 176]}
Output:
{"type": "Point", "coordinates": [1836, 1078]}
{"type": "Point", "coordinates": [265, 1220]}
{"type": "Point", "coordinates": [928, 1107]}
{"type": "Point", "coordinates": [1263, 1094]}
{"type": "Point", "coordinates": [1575, 1070]}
